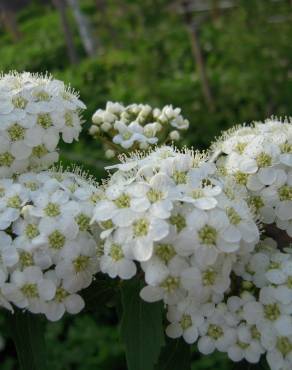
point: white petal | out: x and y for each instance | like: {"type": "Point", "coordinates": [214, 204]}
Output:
{"type": "Point", "coordinates": [47, 289]}
{"type": "Point", "coordinates": [284, 325]}
{"type": "Point", "coordinates": [20, 150]}
{"type": "Point", "coordinates": [143, 250]}
{"type": "Point", "coordinates": [191, 335]}
{"type": "Point", "coordinates": [126, 269]}
{"type": "Point", "coordinates": [284, 210]}
{"type": "Point", "coordinates": [231, 234]}
{"type": "Point", "coordinates": [151, 294]}
{"type": "Point", "coordinates": [205, 203]}
{"type": "Point", "coordinates": [54, 311]}
{"type": "Point", "coordinates": [206, 345]}
{"type": "Point", "coordinates": [174, 330]}
{"type": "Point", "coordinates": [74, 304]}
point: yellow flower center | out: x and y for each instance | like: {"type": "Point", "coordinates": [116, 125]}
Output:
{"type": "Point", "coordinates": [208, 235]}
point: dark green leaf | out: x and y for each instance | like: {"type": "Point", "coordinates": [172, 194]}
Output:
{"type": "Point", "coordinates": [141, 328]}
{"type": "Point", "coordinates": [176, 355]}
{"type": "Point", "coordinates": [102, 291]}
{"type": "Point", "coordinates": [27, 331]}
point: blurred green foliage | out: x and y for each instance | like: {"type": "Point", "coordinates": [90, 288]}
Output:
{"type": "Point", "coordinates": [145, 56]}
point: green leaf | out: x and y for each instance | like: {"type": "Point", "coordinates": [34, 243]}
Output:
{"type": "Point", "coordinates": [141, 328]}
{"type": "Point", "coordinates": [102, 291]}
{"type": "Point", "coordinates": [176, 355]}
{"type": "Point", "coordinates": [27, 331]}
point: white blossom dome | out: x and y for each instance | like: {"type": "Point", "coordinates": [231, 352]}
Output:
{"type": "Point", "coordinates": [48, 248]}
{"type": "Point", "coordinates": [35, 111]}
{"type": "Point", "coordinates": [172, 215]}
{"type": "Point", "coordinates": [259, 158]}
{"type": "Point", "coordinates": [193, 234]}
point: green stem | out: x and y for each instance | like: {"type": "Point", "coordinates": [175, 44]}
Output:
{"type": "Point", "coordinates": [27, 331]}
{"type": "Point", "coordinates": [110, 144]}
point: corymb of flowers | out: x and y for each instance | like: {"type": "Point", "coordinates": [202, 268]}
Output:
{"type": "Point", "coordinates": [209, 234]}
{"type": "Point", "coordinates": [34, 112]}
{"type": "Point", "coordinates": [48, 249]}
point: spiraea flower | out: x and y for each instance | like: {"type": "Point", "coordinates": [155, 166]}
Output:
{"type": "Point", "coordinates": [35, 111]}
{"type": "Point", "coordinates": [192, 225]}
{"type": "Point", "coordinates": [137, 126]}
{"type": "Point", "coordinates": [169, 214]}
{"type": "Point", "coordinates": [48, 248]}
{"type": "Point", "coordinates": [259, 158]}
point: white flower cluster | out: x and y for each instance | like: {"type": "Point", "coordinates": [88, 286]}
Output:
{"type": "Point", "coordinates": [194, 235]}
{"type": "Point", "coordinates": [260, 158]}
{"type": "Point", "coordinates": [48, 249]}
{"type": "Point", "coordinates": [186, 221]}
{"type": "Point", "coordinates": [34, 111]}
{"type": "Point", "coordinates": [265, 314]}
{"type": "Point", "coordinates": [137, 125]}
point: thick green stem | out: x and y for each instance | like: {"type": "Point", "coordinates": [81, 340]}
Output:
{"type": "Point", "coordinates": [27, 331]}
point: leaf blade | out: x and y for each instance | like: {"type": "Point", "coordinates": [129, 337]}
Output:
{"type": "Point", "coordinates": [141, 328]}
{"type": "Point", "coordinates": [175, 355]}
{"type": "Point", "coordinates": [27, 331]}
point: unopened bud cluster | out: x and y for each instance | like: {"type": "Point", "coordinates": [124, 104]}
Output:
{"type": "Point", "coordinates": [137, 126]}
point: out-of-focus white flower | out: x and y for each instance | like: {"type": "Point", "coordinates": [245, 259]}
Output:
{"type": "Point", "coordinates": [109, 153]}
{"type": "Point", "coordinates": [137, 125]}
{"type": "Point", "coordinates": [174, 135]}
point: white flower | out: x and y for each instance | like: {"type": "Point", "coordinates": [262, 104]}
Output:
{"type": "Point", "coordinates": [28, 289]}
{"type": "Point", "coordinates": [8, 252]}
{"type": "Point", "coordinates": [142, 234]}
{"type": "Point", "coordinates": [56, 235]}
{"type": "Point", "coordinates": [211, 235]}
{"type": "Point", "coordinates": [203, 281]}
{"type": "Point", "coordinates": [116, 260]}
{"type": "Point", "coordinates": [35, 111]}
{"type": "Point", "coordinates": [259, 158]}
{"type": "Point", "coordinates": [78, 264]}
{"type": "Point", "coordinates": [271, 317]}
{"type": "Point", "coordinates": [52, 251]}
{"type": "Point", "coordinates": [51, 206]}
{"type": "Point", "coordinates": [280, 357]}
{"type": "Point", "coordinates": [116, 207]}
{"type": "Point", "coordinates": [183, 324]}
{"type": "Point", "coordinates": [128, 135]}
{"type": "Point", "coordinates": [155, 196]}
{"type": "Point", "coordinates": [63, 301]}
{"type": "Point", "coordinates": [174, 135]}
{"type": "Point", "coordinates": [216, 334]}
{"type": "Point", "coordinates": [247, 345]}
{"type": "Point", "coordinates": [172, 115]}
{"type": "Point", "coordinates": [26, 230]}
{"type": "Point", "coordinates": [13, 198]}
{"type": "Point", "coordinates": [166, 284]}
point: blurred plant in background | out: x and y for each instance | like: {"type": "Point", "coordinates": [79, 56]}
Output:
{"type": "Point", "coordinates": [220, 65]}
